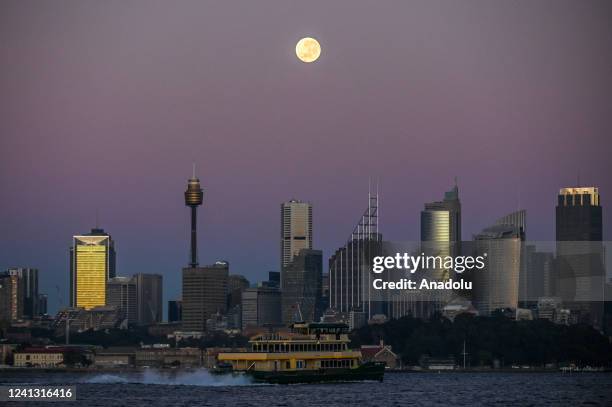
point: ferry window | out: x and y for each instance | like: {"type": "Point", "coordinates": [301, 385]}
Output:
{"type": "Point", "coordinates": [287, 365]}
{"type": "Point", "coordinates": [300, 364]}
{"type": "Point", "coordinates": [352, 362]}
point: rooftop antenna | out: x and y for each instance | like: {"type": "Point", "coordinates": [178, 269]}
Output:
{"type": "Point", "coordinates": [193, 164]}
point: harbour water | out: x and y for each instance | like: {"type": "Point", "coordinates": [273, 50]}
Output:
{"type": "Point", "coordinates": [199, 388]}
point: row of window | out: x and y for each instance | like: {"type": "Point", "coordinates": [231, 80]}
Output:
{"type": "Point", "coordinates": [337, 363]}
{"type": "Point", "coordinates": [299, 347]}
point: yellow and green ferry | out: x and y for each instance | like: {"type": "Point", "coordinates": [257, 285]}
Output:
{"type": "Point", "coordinates": [309, 353]}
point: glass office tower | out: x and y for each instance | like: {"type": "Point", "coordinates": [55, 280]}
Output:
{"type": "Point", "coordinates": [92, 263]}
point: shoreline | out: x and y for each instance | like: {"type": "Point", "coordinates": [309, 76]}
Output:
{"type": "Point", "coordinates": [192, 369]}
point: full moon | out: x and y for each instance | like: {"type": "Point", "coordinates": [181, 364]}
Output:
{"type": "Point", "coordinates": [308, 49]}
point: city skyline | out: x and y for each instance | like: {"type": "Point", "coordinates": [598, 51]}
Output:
{"type": "Point", "coordinates": [104, 111]}
{"type": "Point", "coordinates": [261, 274]}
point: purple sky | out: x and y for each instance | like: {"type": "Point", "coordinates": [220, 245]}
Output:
{"type": "Point", "coordinates": [105, 105]}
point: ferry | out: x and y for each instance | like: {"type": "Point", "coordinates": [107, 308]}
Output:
{"type": "Point", "coordinates": [309, 353]}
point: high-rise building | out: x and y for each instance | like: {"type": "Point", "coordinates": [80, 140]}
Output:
{"type": "Point", "coordinates": [42, 304]}
{"type": "Point", "coordinates": [261, 306]}
{"type": "Point", "coordinates": [175, 310]}
{"type": "Point", "coordinates": [441, 220]}
{"type": "Point", "coordinates": [236, 284]}
{"type": "Point", "coordinates": [92, 263]}
{"type": "Point", "coordinates": [204, 294]}
{"type": "Point", "coordinates": [296, 230]}
{"type": "Point", "coordinates": [301, 286]}
{"type": "Point", "coordinates": [274, 278]}
{"type": "Point", "coordinates": [349, 279]}
{"type": "Point", "coordinates": [28, 283]}
{"type": "Point", "coordinates": [149, 297]}
{"type": "Point", "coordinates": [11, 297]}
{"type": "Point", "coordinates": [121, 294]}
{"type": "Point", "coordinates": [440, 236]}
{"type": "Point", "coordinates": [496, 286]}
{"type": "Point", "coordinates": [579, 215]}
{"type": "Point", "coordinates": [517, 219]}
{"type": "Point", "coordinates": [204, 288]}
{"type": "Point", "coordinates": [580, 267]}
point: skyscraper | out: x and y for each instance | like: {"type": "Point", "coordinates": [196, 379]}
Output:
{"type": "Point", "coordinates": [579, 215]}
{"type": "Point", "coordinates": [349, 280]}
{"type": "Point", "coordinates": [301, 286]}
{"type": "Point", "coordinates": [11, 297]}
{"type": "Point", "coordinates": [441, 220]}
{"type": "Point", "coordinates": [204, 294]}
{"type": "Point", "coordinates": [204, 288]}
{"type": "Point", "coordinates": [496, 286]}
{"type": "Point", "coordinates": [296, 229]}
{"type": "Point", "coordinates": [149, 298]}
{"type": "Point", "coordinates": [261, 306]}
{"type": "Point", "coordinates": [92, 263]}
{"type": "Point", "coordinates": [28, 284]}
{"type": "Point", "coordinates": [580, 253]}
{"type": "Point", "coordinates": [440, 236]}
{"type": "Point", "coordinates": [121, 294]}
{"type": "Point", "coordinates": [175, 310]}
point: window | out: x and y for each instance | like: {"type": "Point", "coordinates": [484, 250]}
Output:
{"type": "Point", "coordinates": [300, 364]}
{"type": "Point", "coordinates": [287, 365]}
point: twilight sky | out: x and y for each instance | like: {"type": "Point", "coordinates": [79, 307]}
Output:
{"type": "Point", "coordinates": [105, 105]}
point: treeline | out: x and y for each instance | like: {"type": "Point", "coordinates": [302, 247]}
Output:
{"type": "Point", "coordinates": [510, 342]}
{"type": "Point", "coordinates": [135, 336]}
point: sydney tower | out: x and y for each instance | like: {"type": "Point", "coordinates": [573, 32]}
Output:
{"type": "Point", "coordinates": [193, 198]}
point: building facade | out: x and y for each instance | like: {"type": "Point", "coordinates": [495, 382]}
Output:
{"type": "Point", "coordinates": [261, 306]}
{"type": "Point", "coordinates": [496, 286]}
{"type": "Point", "coordinates": [11, 297]}
{"type": "Point", "coordinates": [175, 310]}
{"type": "Point", "coordinates": [296, 230]}
{"type": "Point", "coordinates": [301, 286]}
{"type": "Point", "coordinates": [121, 293]}
{"type": "Point", "coordinates": [204, 294]}
{"type": "Point", "coordinates": [28, 284]}
{"type": "Point", "coordinates": [580, 253]}
{"type": "Point", "coordinates": [150, 298]}
{"type": "Point", "coordinates": [92, 263]}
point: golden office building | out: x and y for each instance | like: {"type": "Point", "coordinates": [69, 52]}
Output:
{"type": "Point", "coordinates": [92, 263]}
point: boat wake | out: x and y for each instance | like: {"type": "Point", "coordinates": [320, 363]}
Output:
{"type": "Point", "coordinates": [191, 378]}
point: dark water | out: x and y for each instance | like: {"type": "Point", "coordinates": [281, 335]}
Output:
{"type": "Point", "coordinates": [198, 388]}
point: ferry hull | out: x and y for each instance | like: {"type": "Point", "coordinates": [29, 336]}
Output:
{"type": "Point", "coordinates": [367, 371]}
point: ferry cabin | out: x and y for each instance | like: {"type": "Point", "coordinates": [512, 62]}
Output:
{"type": "Point", "coordinates": [309, 346]}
